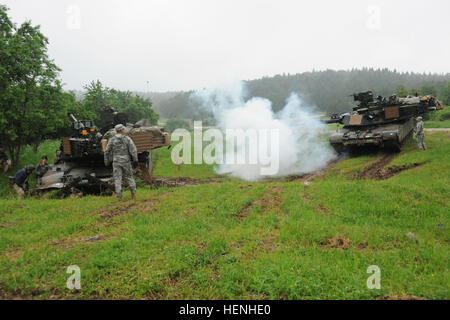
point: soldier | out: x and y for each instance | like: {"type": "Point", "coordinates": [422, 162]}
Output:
{"type": "Point", "coordinates": [42, 169]}
{"type": "Point", "coordinates": [121, 149]}
{"type": "Point", "coordinates": [58, 157]}
{"type": "Point", "coordinates": [5, 163]}
{"type": "Point", "coordinates": [420, 134]}
{"type": "Point", "coordinates": [21, 180]}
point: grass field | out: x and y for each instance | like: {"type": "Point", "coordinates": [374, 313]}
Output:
{"type": "Point", "coordinates": [302, 238]}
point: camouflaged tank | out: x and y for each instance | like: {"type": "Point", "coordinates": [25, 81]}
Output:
{"type": "Point", "coordinates": [381, 122]}
{"type": "Point", "coordinates": [81, 167]}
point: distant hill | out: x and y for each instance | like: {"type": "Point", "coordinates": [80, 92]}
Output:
{"type": "Point", "coordinates": [328, 90]}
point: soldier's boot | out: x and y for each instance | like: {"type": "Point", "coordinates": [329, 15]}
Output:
{"type": "Point", "coordinates": [133, 196]}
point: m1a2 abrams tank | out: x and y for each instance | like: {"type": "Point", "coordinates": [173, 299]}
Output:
{"type": "Point", "coordinates": [81, 168]}
{"type": "Point", "coordinates": [381, 122]}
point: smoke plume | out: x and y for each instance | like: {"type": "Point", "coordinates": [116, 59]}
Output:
{"type": "Point", "coordinates": [301, 148]}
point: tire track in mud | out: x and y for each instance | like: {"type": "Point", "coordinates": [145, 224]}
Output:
{"type": "Point", "coordinates": [379, 171]}
{"type": "Point", "coordinates": [119, 208]}
{"type": "Point", "coordinates": [183, 181]}
{"type": "Point", "coordinates": [271, 199]}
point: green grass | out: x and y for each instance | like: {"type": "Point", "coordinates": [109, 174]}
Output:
{"type": "Point", "coordinates": [438, 119]}
{"type": "Point", "coordinates": [164, 167]}
{"type": "Point", "coordinates": [437, 124]}
{"type": "Point", "coordinates": [240, 240]}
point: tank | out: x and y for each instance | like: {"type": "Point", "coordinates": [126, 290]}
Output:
{"type": "Point", "coordinates": [81, 167]}
{"type": "Point", "coordinates": [380, 122]}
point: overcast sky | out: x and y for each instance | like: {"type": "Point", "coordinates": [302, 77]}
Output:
{"type": "Point", "coordinates": [190, 44]}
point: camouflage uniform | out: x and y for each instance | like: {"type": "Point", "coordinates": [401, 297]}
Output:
{"type": "Point", "coordinates": [121, 149]}
{"type": "Point", "coordinates": [41, 170]}
{"type": "Point", "coordinates": [58, 158]}
{"type": "Point", "coordinates": [420, 135]}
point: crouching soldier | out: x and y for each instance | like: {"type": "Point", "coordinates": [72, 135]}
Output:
{"type": "Point", "coordinates": [5, 163]}
{"type": "Point", "coordinates": [21, 180]}
{"type": "Point", "coordinates": [121, 150]}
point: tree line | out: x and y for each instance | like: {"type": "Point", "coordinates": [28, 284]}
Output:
{"type": "Point", "coordinates": [33, 104]}
{"type": "Point", "coordinates": [329, 91]}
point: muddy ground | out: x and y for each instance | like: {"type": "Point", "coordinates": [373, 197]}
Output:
{"type": "Point", "coordinates": [379, 170]}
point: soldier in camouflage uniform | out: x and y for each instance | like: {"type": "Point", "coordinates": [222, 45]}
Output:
{"type": "Point", "coordinates": [420, 134]}
{"type": "Point", "coordinates": [121, 150]}
{"type": "Point", "coordinates": [41, 169]}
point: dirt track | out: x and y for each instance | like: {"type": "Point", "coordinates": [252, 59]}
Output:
{"type": "Point", "coordinates": [182, 181]}
{"type": "Point", "coordinates": [437, 129]}
{"type": "Point", "coordinates": [379, 171]}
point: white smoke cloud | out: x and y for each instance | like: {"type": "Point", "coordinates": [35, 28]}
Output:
{"type": "Point", "coordinates": [300, 147]}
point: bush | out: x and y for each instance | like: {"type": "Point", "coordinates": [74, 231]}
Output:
{"type": "Point", "coordinates": [444, 114]}
{"type": "Point", "coordinates": [173, 124]}
{"type": "Point", "coordinates": [209, 122]}
{"type": "Point", "coordinates": [440, 115]}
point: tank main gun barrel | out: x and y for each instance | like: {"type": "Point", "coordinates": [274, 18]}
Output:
{"type": "Point", "coordinates": [76, 123]}
{"type": "Point", "coordinates": [335, 118]}
{"type": "Point", "coordinates": [72, 117]}
{"type": "Point", "coordinates": [331, 121]}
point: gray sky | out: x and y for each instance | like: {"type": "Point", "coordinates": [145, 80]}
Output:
{"type": "Point", "coordinates": [190, 44]}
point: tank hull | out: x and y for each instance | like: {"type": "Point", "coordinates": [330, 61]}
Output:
{"type": "Point", "coordinates": [73, 177]}
{"type": "Point", "coordinates": [390, 136]}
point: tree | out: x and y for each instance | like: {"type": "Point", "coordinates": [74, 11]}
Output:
{"type": "Point", "coordinates": [135, 107]}
{"type": "Point", "coordinates": [30, 91]}
{"type": "Point", "coordinates": [444, 94]}
{"type": "Point", "coordinates": [428, 89]}
{"type": "Point", "coordinates": [401, 92]}
{"type": "Point", "coordinates": [173, 124]}
{"type": "Point", "coordinates": [329, 90]}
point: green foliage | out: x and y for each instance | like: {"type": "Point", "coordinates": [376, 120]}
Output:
{"type": "Point", "coordinates": [444, 94]}
{"type": "Point", "coordinates": [135, 107]}
{"type": "Point", "coordinates": [428, 89]}
{"type": "Point", "coordinates": [173, 124]}
{"type": "Point", "coordinates": [439, 119]}
{"type": "Point", "coordinates": [209, 122]}
{"type": "Point", "coordinates": [401, 92]}
{"type": "Point", "coordinates": [413, 92]}
{"type": "Point", "coordinates": [32, 103]}
{"type": "Point", "coordinates": [29, 155]}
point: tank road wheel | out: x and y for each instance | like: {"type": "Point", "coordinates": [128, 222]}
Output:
{"type": "Point", "coordinates": [395, 146]}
